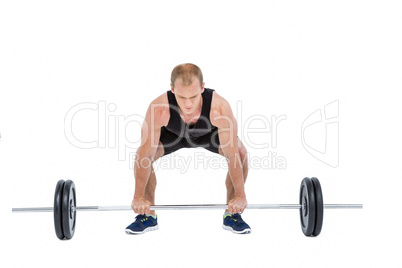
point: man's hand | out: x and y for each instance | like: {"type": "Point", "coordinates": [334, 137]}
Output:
{"type": "Point", "coordinates": [140, 205]}
{"type": "Point", "coordinates": [237, 205]}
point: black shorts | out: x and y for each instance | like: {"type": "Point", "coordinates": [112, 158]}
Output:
{"type": "Point", "coordinates": [171, 142]}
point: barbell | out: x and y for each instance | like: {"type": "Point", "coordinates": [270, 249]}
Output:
{"type": "Point", "coordinates": [311, 207]}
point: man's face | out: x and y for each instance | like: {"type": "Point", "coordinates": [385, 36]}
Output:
{"type": "Point", "coordinates": [188, 97]}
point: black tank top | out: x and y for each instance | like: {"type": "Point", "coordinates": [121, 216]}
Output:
{"type": "Point", "coordinates": [202, 127]}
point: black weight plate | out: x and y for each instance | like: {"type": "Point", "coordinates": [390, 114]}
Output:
{"type": "Point", "coordinates": [58, 223]}
{"type": "Point", "coordinates": [308, 209]}
{"type": "Point", "coordinates": [68, 206]}
{"type": "Point", "coordinates": [319, 206]}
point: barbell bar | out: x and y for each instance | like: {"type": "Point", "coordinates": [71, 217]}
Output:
{"type": "Point", "coordinates": [189, 207]}
{"type": "Point", "coordinates": [310, 205]}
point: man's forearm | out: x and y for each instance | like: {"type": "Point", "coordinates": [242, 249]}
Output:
{"type": "Point", "coordinates": [236, 175]}
{"type": "Point", "coordinates": [141, 174]}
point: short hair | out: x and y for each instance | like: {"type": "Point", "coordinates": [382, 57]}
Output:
{"type": "Point", "coordinates": [186, 72]}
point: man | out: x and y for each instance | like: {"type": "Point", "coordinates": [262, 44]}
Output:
{"type": "Point", "coordinates": [189, 116]}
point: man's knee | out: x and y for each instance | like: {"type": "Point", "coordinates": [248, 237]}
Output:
{"type": "Point", "coordinates": [144, 159]}
{"type": "Point", "coordinates": [159, 152]}
{"type": "Point", "coordinates": [243, 153]}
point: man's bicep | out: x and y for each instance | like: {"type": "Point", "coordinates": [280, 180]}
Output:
{"type": "Point", "coordinates": [150, 138]}
{"type": "Point", "coordinates": [150, 133]}
{"type": "Point", "coordinates": [227, 130]}
{"type": "Point", "coordinates": [228, 138]}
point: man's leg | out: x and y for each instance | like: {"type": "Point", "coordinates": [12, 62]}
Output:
{"type": "Point", "coordinates": [244, 161]}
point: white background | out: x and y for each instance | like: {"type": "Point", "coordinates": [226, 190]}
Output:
{"type": "Point", "coordinates": [276, 58]}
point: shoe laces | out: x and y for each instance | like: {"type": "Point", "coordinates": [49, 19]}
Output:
{"type": "Point", "coordinates": [237, 217]}
{"type": "Point", "coordinates": [141, 218]}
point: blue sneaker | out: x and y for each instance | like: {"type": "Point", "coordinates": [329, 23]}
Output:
{"type": "Point", "coordinates": [143, 223]}
{"type": "Point", "coordinates": [234, 223]}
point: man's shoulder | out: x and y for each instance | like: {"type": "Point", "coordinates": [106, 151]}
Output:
{"type": "Point", "coordinates": [159, 108]}
{"type": "Point", "coordinates": [219, 107]}
{"type": "Point", "coordinates": [161, 99]}
{"type": "Point", "coordinates": [219, 103]}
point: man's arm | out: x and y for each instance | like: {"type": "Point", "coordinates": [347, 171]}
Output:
{"type": "Point", "coordinates": [227, 131]}
{"type": "Point", "coordinates": [150, 134]}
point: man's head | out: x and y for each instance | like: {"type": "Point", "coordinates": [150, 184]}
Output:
{"type": "Point", "coordinates": [187, 84]}
{"type": "Point", "coordinates": [187, 72]}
